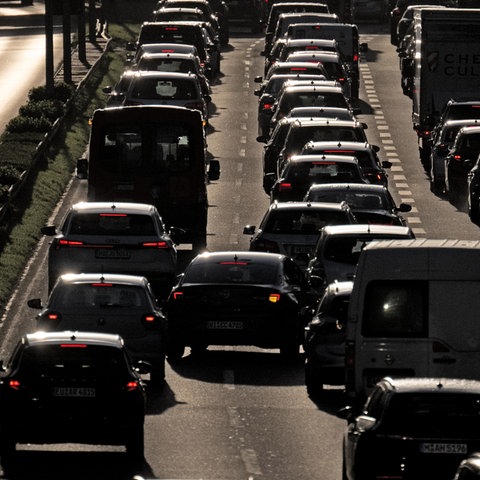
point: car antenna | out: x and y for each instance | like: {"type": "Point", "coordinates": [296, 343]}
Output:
{"type": "Point", "coordinates": [235, 258]}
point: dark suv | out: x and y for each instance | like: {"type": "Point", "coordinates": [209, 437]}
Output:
{"type": "Point", "coordinates": [72, 387]}
{"type": "Point", "coordinates": [413, 428]}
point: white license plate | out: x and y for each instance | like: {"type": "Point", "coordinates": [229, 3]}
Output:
{"type": "Point", "coordinates": [224, 325]}
{"type": "Point", "coordinates": [443, 448]}
{"type": "Point", "coordinates": [112, 253]}
{"type": "Point", "coordinates": [74, 392]}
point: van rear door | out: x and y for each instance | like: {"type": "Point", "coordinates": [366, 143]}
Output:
{"type": "Point", "coordinates": [454, 329]}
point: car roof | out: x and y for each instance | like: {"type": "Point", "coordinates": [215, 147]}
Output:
{"type": "Point", "coordinates": [70, 336]}
{"type": "Point", "coordinates": [323, 158]}
{"type": "Point", "coordinates": [102, 278]}
{"type": "Point", "coordinates": [460, 122]}
{"type": "Point", "coordinates": [281, 206]}
{"type": "Point", "coordinates": [469, 129]}
{"type": "Point", "coordinates": [359, 187]}
{"type": "Point", "coordinates": [327, 122]}
{"type": "Point", "coordinates": [367, 229]}
{"type": "Point", "coordinates": [338, 145]}
{"type": "Point", "coordinates": [239, 256]}
{"type": "Point", "coordinates": [292, 42]}
{"type": "Point", "coordinates": [312, 88]}
{"type": "Point", "coordinates": [161, 74]}
{"type": "Point", "coordinates": [321, 55]}
{"type": "Point", "coordinates": [124, 207]}
{"type": "Point", "coordinates": [172, 55]}
{"type": "Point", "coordinates": [432, 385]}
{"type": "Point", "coordinates": [165, 47]}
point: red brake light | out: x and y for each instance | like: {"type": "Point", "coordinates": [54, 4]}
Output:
{"type": "Point", "coordinates": [298, 69]}
{"type": "Point", "coordinates": [267, 106]}
{"type": "Point", "coordinates": [15, 384]}
{"type": "Point", "coordinates": [311, 47]}
{"type": "Point", "coordinates": [457, 158]}
{"type": "Point", "coordinates": [233, 263]}
{"type": "Point", "coordinates": [274, 297]}
{"type": "Point", "coordinates": [177, 295]}
{"type": "Point", "coordinates": [73, 345]}
{"type": "Point", "coordinates": [54, 317]}
{"type": "Point", "coordinates": [355, 57]}
{"type": "Point", "coordinates": [69, 243]}
{"type": "Point", "coordinates": [150, 321]}
{"type": "Point", "coordinates": [168, 50]}
{"type": "Point", "coordinates": [113, 215]}
{"type": "Point", "coordinates": [171, 29]}
{"type": "Point", "coordinates": [102, 284]}
{"type": "Point", "coordinates": [131, 386]}
{"type": "Point", "coordinates": [324, 163]}
{"type": "Point", "coordinates": [156, 244]}
{"type": "Point", "coordinates": [285, 186]}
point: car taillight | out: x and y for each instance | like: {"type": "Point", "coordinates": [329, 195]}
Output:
{"type": "Point", "coordinates": [341, 80]}
{"type": "Point", "coordinates": [274, 297]}
{"type": "Point", "coordinates": [151, 321]}
{"type": "Point", "coordinates": [54, 317]}
{"type": "Point", "coordinates": [457, 158]}
{"type": "Point", "coordinates": [132, 386]}
{"type": "Point", "coordinates": [161, 245]}
{"type": "Point", "coordinates": [355, 57]}
{"type": "Point", "coordinates": [195, 106]}
{"type": "Point", "coordinates": [69, 243]}
{"type": "Point", "coordinates": [266, 246]}
{"type": "Point", "coordinates": [14, 384]}
{"type": "Point", "coordinates": [267, 106]}
{"type": "Point", "coordinates": [285, 186]}
{"type": "Point", "coordinates": [177, 295]}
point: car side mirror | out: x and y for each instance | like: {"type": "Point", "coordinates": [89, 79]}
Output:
{"type": "Point", "coordinates": [82, 168]}
{"type": "Point", "coordinates": [177, 234]}
{"type": "Point", "coordinates": [49, 230]}
{"type": "Point", "coordinates": [404, 208]}
{"type": "Point", "coordinates": [258, 79]}
{"type": "Point", "coordinates": [261, 139]}
{"type": "Point", "coordinates": [130, 47]}
{"type": "Point", "coordinates": [363, 47]}
{"type": "Point", "coordinates": [386, 164]}
{"type": "Point", "coordinates": [364, 423]}
{"type": "Point", "coordinates": [35, 303]}
{"type": "Point", "coordinates": [142, 367]}
{"type": "Point", "coordinates": [375, 148]}
{"type": "Point", "coordinates": [108, 89]}
{"type": "Point", "coordinates": [213, 170]}
{"type": "Point", "coordinates": [249, 229]}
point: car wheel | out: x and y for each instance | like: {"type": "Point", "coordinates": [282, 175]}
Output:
{"type": "Point", "coordinates": [314, 384]}
{"type": "Point", "coordinates": [474, 210]}
{"type": "Point", "coordinates": [175, 350]}
{"type": "Point", "coordinates": [157, 376]}
{"type": "Point", "coordinates": [290, 349]}
{"type": "Point", "coordinates": [135, 443]}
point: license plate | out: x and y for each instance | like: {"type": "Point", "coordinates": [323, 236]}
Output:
{"type": "Point", "coordinates": [443, 448]}
{"type": "Point", "coordinates": [74, 392]}
{"type": "Point", "coordinates": [112, 253]}
{"type": "Point", "coordinates": [224, 325]}
{"type": "Point", "coordinates": [125, 187]}
{"type": "Point", "coordinates": [302, 249]}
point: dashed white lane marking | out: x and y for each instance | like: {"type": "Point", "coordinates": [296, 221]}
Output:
{"type": "Point", "coordinates": [388, 146]}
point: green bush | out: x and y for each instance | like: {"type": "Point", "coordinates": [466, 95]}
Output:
{"type": "Point", "coordinates": [49, 109]}
{"type": "Point", "coordinates": [61, 91]}
{"type": "Point", "coordinates": [9, 174]}
{"type": "Point", "coordinates": [28, 124]}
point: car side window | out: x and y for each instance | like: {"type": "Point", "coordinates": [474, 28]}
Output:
{"type": "Point", "coordinates": [292, 272]}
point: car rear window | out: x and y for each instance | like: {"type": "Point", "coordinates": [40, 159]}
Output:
{"type": "Point", "coordinates": [83, 360]}
{"type": "Point", "coordinates": [155, 89]}
{"type": "Point", "coordinates": [166, 65]}
{"type": "Point", "coordinates": [233, 272]}
{"type": "Point", "coordinates": [300, 222]}
{"type": "Point", "coordinates": [317, 172]}
{"type": "Point", "coordinates": [98, 295]}
{"type": "Point", "coordinates": [396, 309]}
{"type": "Point", "coordinates": [446, 415]}
{"type": "Point", "coordinates": [111, 224]}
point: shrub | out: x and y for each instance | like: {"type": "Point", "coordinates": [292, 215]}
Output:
{"type": "Point", "coordinates": [28, 124]}
{"type": "Point", "coordinates": [61, 91]}
{"type": "Point", "coordinates": [50, 109]}
{"type": "Point", "coordinates": [9, 174]}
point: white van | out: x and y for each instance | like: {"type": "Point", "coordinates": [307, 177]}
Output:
{"type": "Point", "coordinates": [414, 311]}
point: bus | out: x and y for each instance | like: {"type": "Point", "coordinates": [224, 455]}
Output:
{"type": "Point", "coordinates": [152, 154]}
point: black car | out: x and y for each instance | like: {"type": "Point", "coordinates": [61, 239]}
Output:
{"type": "Point", "coordinates": [372, 167]}
{"type": "Point", "coordinates": [237, 298]}
{"type": "Point", "coordinates": [299, 173]}
{"type": "Point", "coordinates": [324, 342]}
{"type": "Point", "coordinates": [109, 303]}
{"type": "Point", "coordinates": [460, 160]}
{"type": "Point", "coordinates": [412, 428]}
{"type": "Point", "coordinates": [469, 469]}
{"type": "Point", "coordinates": [71, 387]}
{"type": "Point", "coordinates": [473, 192]}
{"type": "Point", "coordinates": [370, 203]}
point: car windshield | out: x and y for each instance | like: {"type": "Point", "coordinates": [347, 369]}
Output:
{"type": "Point", "coordinates": [110, 224]}
{"type": "Point", "coordinates": [301, 222]}
{"type": "Point", "coordinates": [153, 88]}
{"type": "Point", "coordinates": [233, 272]}
{"type": "Point", "coordinates": [98, 295]}
{"type": "Point", "coordinates": [433, 415]}
{"type": "Point", "coordinates": [345, 250]}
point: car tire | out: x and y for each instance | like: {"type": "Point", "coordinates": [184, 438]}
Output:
{"type": "Point", "coordinates": [290, 349]}
{"type": "Point", "coordinates": [157, 376]}
{"type": "Point", "coordinates": [314, 384]}
{"type": "Point", "coordinates": [175, 350]}
{"type": "Point", "coordinates": [135, 444]}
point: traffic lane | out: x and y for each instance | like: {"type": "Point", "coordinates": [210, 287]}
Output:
{"type": "Point", "coordinates": [432, 216]}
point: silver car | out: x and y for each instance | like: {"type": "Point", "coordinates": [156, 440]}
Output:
{"type": "Point", "coordinates": [112, 237]}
